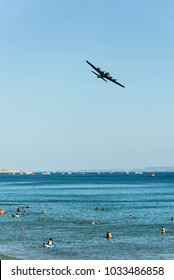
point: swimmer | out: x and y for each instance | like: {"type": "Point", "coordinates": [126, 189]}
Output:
{"type": "Point", "coordinates": [24, 213]}
{"type": "Point", "coordinates": [43, 220]}
{"type": "Point", "coordinates": [50, 241]}
{"type": "Point", "coordinates": [22, 228]}
{"type": "Point", "coordinates": [163, 230]}
{"type": "Point", "coordinates": [17, 216]}
{"type": "Point", "coordinates": [92, 223]}
{"type": "Point", "coordinates": [96, 209]}
{"type": "Point", "coordinates": [109, 235]}
{"type": "Point", "coordinates": [2, 211]}
{"type": "Point", "coordinates": [39, 219]}
{"type": "Point", "coordinates": [130, 216]}
{"type": "Point", "coordinates": [44, 213]}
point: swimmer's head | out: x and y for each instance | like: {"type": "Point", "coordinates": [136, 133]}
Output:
{"type": "Point", "coordinates": [109, 235]}
{"type": "Point", "coordinates": [50, 241]}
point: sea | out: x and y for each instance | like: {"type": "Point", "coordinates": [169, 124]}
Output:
{"type": "Point", "coordinates": [77, 209]}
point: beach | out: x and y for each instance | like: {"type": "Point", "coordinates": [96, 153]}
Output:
{"type": "Point", "coordinates": [77, 209]}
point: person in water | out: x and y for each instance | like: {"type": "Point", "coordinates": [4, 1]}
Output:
{"type": "Point", "coordinates": [50, 241]}
{"type": "Point", "coordinates": [109, 235]}
{"type": "Point", "coordinates": [163, 230]}
{"type": "Point", "coordinates": [44, 213]}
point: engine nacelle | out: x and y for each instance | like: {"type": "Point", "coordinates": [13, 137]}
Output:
{"type": "Point", "coordinates": [107, 73]}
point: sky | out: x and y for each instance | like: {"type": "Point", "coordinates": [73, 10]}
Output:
{"type": "Point", "coordinates": [56, 115]}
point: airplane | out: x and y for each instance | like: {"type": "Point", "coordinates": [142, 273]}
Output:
{"type": "Point", "coordinates": [103, 75]}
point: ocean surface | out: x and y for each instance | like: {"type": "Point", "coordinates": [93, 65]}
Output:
{"type": "Point", "coordinates": [72, 201]}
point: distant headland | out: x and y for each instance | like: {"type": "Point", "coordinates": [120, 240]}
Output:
{"type": "Point", "coordinates": [4, 170]}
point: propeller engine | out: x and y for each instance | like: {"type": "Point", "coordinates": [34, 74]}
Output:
{"type": "Point", "coordinates": [107, 73]}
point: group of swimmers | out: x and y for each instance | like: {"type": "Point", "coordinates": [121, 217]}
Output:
{"type": "Point", "coordinates": [41, 219]}
{"type": "Point", "coordinates": [96, 209]}
{"type": "Point", "coordinates": [94, 223]}
{"type": "Point", "coordinates": [50, 243]}
{"type": "Point", "coordinates": [17, 212]}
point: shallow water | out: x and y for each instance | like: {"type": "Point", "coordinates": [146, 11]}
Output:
{"type": "Point", "coordinates": [72, 198]}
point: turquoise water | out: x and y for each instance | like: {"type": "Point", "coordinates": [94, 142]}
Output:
{"type": "Point", "coordinates": [72, 198]}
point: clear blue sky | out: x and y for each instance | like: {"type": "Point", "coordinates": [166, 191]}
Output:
{"type": "Point", "coordinates": [55, 114]}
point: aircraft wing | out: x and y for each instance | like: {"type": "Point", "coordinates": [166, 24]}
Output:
{"type": "Point", "coordinates": [96, 69]}
{"type": "Point", "coordinates": [114, 81]}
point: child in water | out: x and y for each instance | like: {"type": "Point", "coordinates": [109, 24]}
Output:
{"type": "Point", "coordinates": [48, 243]}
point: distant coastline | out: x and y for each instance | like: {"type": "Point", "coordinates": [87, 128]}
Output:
{"type": "Point", "coordinates": [145, 169]}
{"type": "Point", "coordinates": [4, 170]}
